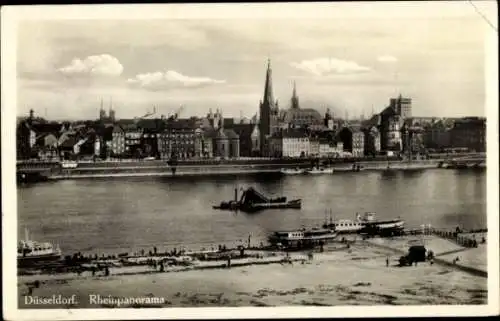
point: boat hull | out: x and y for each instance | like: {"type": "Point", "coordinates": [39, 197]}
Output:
{"type": "Point", "coordinates": [35, 260]}
{"type": "Point", "coordinates": [251, 208]}
{"type": "Point", "coordinates": [384, 228]}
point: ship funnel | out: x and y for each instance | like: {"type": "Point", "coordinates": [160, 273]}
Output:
{"type": "Point", "coordinates": [26, 236]}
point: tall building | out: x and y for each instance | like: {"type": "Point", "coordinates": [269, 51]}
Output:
{"type": "Point", "coordinates": [268, 113]}
{"type": "Point", "coordinates": [402, 106]}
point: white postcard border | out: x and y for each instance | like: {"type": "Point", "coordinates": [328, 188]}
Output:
{"type": "Point", "coordinates": [12, 15]}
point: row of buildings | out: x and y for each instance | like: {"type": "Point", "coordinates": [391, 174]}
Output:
{"type": "Point", "coordinates": [297, 131]}
{"type": "Point", "coordinates": [290, 132]}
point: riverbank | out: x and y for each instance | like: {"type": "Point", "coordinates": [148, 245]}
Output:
{"type": "Point", "coordinates": [217, 170]}
{"type": "Point", "coordinates": [345, 276]}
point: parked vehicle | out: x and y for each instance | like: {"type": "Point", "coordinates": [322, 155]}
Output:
{"type": "Point", "coordinates": [416, 253]}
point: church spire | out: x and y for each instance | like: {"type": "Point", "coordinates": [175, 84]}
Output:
{"type": "Point", "coordinates": [295, 98]}
{"type": "Point", "coordinates": [268, 89]}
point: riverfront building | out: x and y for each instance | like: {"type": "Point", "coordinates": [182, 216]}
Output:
{"type": "Point", "coordinates": [353, 140]}
{"type": "Point", "coordinates": [118, 141]}
{"type": "Point", "coordinates": [469, 133]}
{"type": "Point", "coordinates": [290, 143]}
{"type": "Point", "coordinates": [390, 130]}
{"type": "Point", "coordinates": [437, 135]}
{"type": "Point", "coordinates": [371, 141]}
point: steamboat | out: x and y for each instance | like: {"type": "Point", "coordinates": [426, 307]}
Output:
{"type": "Point", "coordinates": [302, 238]}
{"type": "Point", "coordinates": [31, 253]}
{"type": "Point", "coordinates": [367, 224]}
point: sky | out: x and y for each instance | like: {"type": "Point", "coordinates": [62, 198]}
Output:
{"type": "Point", "coordinates": [344, 57]}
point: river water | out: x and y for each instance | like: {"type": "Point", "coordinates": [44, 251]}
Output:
{"type": "Point", "coordinates": [111, 215]}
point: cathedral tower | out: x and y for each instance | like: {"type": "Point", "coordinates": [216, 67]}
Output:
{"type": "Point", "coordinates": [295, 98]}
{"type": "Point", "coordinates": [268, 112]}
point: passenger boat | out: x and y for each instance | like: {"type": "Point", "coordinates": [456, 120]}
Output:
{"type": "Point", "coordinates": [320, 171]}
{"type": "Point", "coordinates": [302, 238]}
{"type": "Point", "coordinates": [367, 224]}
{"type": "Point", "coordinates": [30, 253]}
{"type": "Point", "coordinates": [292, 171]}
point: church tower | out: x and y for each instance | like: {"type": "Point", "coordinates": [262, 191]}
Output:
{"type": "Point", "coordinates": [268, 112]}
{"type": "Point", "coordinates": [295, 98]}
{"type": "Point", "coordinates": [102, 112]}
{"type": "Point", "coordinates": [111, 111]}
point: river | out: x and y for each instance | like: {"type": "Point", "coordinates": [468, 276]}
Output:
{"type": "Point", "coordinates": [111, 215]}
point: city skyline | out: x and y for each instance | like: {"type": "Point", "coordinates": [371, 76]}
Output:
{"type": "Point", "coordinates": [353, 64]}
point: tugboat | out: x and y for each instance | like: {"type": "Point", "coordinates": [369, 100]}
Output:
{"type": "Point", "coordinates": [30, 253]}
{"type": "Point", "coordinates": [302, 238]}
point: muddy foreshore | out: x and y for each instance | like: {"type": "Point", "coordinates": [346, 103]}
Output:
{"type": "Point", "coordinates": [355, 275]}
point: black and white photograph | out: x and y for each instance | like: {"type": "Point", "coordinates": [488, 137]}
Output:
{"type": "Point", "coordinates": [315, 157]}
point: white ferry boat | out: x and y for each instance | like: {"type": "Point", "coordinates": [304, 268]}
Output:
{"type": "Point", "coordinates": [302, 238]}
{"type": "Point", "coordinates": [366, 224]}
{"type": "Point", "coordinates": [292, 171]}
{"type": "Point", "coordinates": [30, 252]}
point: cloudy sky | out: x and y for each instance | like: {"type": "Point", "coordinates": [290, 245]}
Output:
{"type": "Point", "coordinates": [350, 62]}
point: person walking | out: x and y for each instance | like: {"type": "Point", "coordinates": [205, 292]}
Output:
{"type": "Point", "coordinates": [387, 261]}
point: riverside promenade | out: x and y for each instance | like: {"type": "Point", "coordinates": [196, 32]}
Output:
{"type": "Point", "coordinates": [140, 168]}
